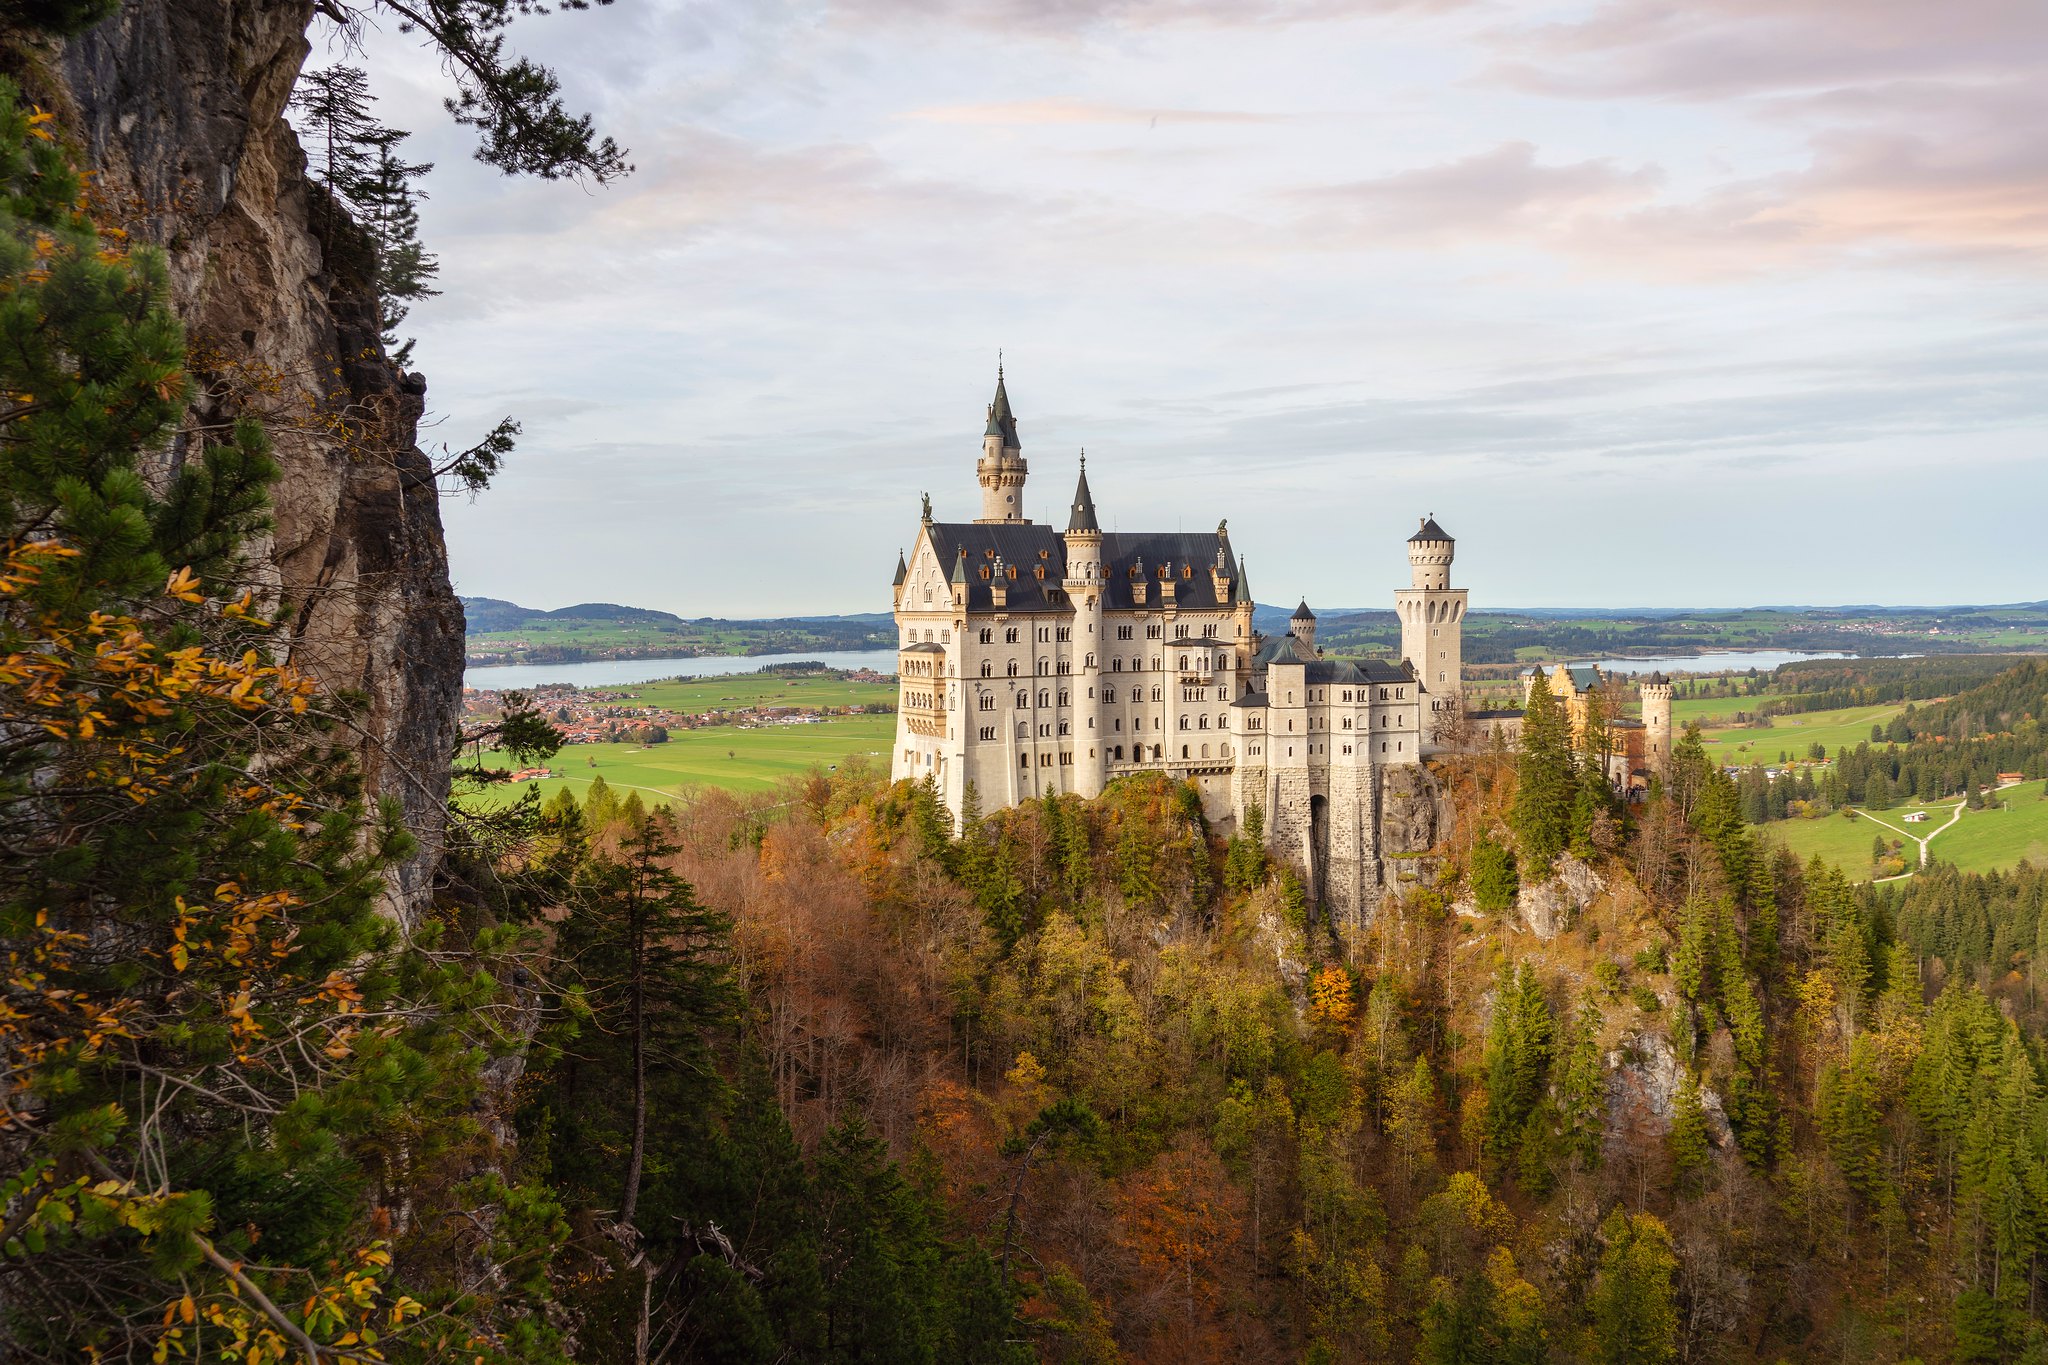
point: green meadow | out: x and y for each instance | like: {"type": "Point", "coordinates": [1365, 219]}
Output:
{"type": "Point", "coordinates": [1981, 841]}
{"type": "Point", "coordinates": [1791, 735]}
{"type": "Point", "coordinates": [754, 689]}
{"type": "Point", "coordinates": [742, 760]}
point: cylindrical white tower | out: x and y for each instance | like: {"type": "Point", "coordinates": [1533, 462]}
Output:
{"type": "Point", "coordinates": [1001, 467]}
{"type": "Point", "coordinates": [1433, 625]}
{"type": "Point", "coordinates": [1083, 583]}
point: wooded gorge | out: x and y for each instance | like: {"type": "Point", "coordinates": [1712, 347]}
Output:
{"type": "Point", "coordinates": [307, 1059]}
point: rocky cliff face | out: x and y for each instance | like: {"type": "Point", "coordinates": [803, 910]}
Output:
{"type": "Point", "coordinates": [178, 106]}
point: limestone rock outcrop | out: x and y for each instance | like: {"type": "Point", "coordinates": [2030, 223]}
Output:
{"type": "Point", "coordinates": [177, 107]}
{"type": "Point", "coordinates": [1548, 907]}
{"type": "Point", "coordinates": [1643, 1079]}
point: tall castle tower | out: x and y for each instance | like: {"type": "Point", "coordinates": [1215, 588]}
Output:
{"type": "Point", "coordinates": [1432, 624]}
{"type": "Point", "coordinates": [1084, 586]}
{"type": "Point", "coordinates": [1001, 466]}
{"type": "Point", "coordinates": [1657, 723]}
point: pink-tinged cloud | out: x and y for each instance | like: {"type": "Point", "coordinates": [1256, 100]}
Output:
{"type": "Point", "coordinates": [1715, 49]}
{"type": "Point", "coordinates": [1504, 193]}
{"type": "Point", "coordinates": [1059, 18]}
{"type": "Point", "coordinates": [1051, 112]}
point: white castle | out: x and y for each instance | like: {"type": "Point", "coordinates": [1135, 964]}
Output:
{"type": "Point", "coordinates": [1032, 659]}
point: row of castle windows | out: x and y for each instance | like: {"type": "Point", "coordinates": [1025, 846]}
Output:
{"type": "Point", "coordinates": [1116, 754]}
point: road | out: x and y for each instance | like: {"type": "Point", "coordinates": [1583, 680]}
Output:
{"type": "Point", "coordinates": [1922, 839]}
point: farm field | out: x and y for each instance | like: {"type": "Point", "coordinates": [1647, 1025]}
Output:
{"type": "Point", "coordinates": [1987, 839]}
{"type": "Point", "coordinates": [743, 760]}
{"type": "Point", "coordinates": [1982, 841]}
{"type": "Point", "coordinates": [1710, 711]}
{"type": "Point", "coordinates": [714, 694]}
{"type": "Point", "coordinates": [1791, 735]}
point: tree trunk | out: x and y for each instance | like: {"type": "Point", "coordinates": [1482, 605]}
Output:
{"type": "Point", "coordinates": [631, 1201]}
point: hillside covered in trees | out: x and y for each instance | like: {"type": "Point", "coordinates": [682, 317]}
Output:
{"type": "Point", "coordinates": [306, 1062]}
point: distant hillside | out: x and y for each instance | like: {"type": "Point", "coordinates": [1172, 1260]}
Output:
{"type": "Point", "coordinates": [506, 632]}
{"type": "Point", "coordinates": [502, 632]}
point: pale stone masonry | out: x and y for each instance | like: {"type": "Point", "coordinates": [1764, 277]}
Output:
{"type": "Point", "coordinates": [1032, 658]}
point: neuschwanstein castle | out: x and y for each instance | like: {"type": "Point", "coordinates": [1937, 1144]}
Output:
{"type": "Point", "coordinates": [1032, 658]}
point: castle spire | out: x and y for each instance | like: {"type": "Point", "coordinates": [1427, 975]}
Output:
{"type": "Point", "coordinates": [1083, 518]}
{"type": "Point", "coordinates": [1001, 421]}
{"type": "Point", "coordinates": [1001, 469]}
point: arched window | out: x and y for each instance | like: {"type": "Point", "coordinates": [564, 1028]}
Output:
{"type": "Point", "coordinates": [1044, 697]}
{"type": "Point", "coordinates": [1183, 722]}
{"type": "Point", "coordinates": [1204, 723]}
{"type": "Point", "coordinates": [1043, 667]}
{"type": "Point", "coordinates": [988, 701]}
{"type": "Point", "coordinates": [1183, 751]}
{"type": "Point", "coordinates": [1023, 760]}
{"type": "Point", "coordinates": [987, 635]}
{"type": "Point", "coordinates": [1158, 752]}
{"type": "Point", "coordinates": [987, 668]}
{"type": "Point", "coordinates": [1205, 751]}
{"type": "Point", "coordinates": [1155, 694]}
{"type": "Point", "coordinates": [1116, 665]}
{"type": "Point", "coordinates": [1023, 700]}
{"type": "Point", "coordinates": [1013, 668]}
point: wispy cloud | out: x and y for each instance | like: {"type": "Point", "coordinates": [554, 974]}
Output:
{"type": "Point", "coordinates": [1045, 112]}
{"type": "Point", "coordinates": [1504, 192]}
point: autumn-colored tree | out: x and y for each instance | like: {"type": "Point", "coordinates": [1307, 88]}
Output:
{"type": "Point", "coordinates": [1331, 998]}
{"type": "Point", "coordinates": [212, 1034]}
{"type": "Point", "coordinates": [1179, 1215]}
{"type": "Point", "coordinates": [1635, 1314]}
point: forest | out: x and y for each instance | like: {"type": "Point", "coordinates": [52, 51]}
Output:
{"type": "Point", "coordinates": [822, 1075]}
{"type": "Point", "coordinates": [1952, 747]}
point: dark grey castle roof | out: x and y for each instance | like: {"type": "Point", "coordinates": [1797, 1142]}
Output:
{"type": "Point", "coordinates": [1430, 531]}
{"type": "Point", "coordinates": [1083, 518]}
{"type": "Point", "coordinates": [1001, 422]}
{"type": "Point", "coordinates": [1123, 552]}
{"type": "Point", "coordinates": [902, 569]}
{"type": "Point", "coordinates": [1302, 613]}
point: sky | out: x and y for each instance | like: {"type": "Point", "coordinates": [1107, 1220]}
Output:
{"type": "Point", "coordinates": [1714, 303]}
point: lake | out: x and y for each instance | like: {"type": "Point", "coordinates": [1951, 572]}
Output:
{"type": "Point", "coordinates": [1729, 661]}
{"type": "Point", "coordinates": [619, 672]}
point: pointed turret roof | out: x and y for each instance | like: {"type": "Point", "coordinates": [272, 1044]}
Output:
{"type": "Point", "coordinates": [902, 569]}
{"type": "Point", "coordinates": [1430, 531]}
{"type": "Point", "coordinates": [1083, 518]}
{"type": "Point", "coordinates": [960, 567]}
{"type": "Point", "coordinates": [1302, 613]}
{"type": "Point", "coordinates": [1001, 421]}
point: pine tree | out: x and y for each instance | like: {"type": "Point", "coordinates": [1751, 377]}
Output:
{"type": "Point", "coordinates": [1582, 1087]}
{"type": "Point", "coordinates": [334, 109]}
{"type": "Point", "coordinates": [1517, 1058]}
{"type": "Point", "coordinates": [1494, 885]}
{"type": "Point", "coordinates": [650, 959]}
{"type": "Point", "coordinates": [387, 199]}
{"type": "Point", "coordinates": [1544, 789]}
{"type": "Point", "coordinates": [1690, 1150]}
